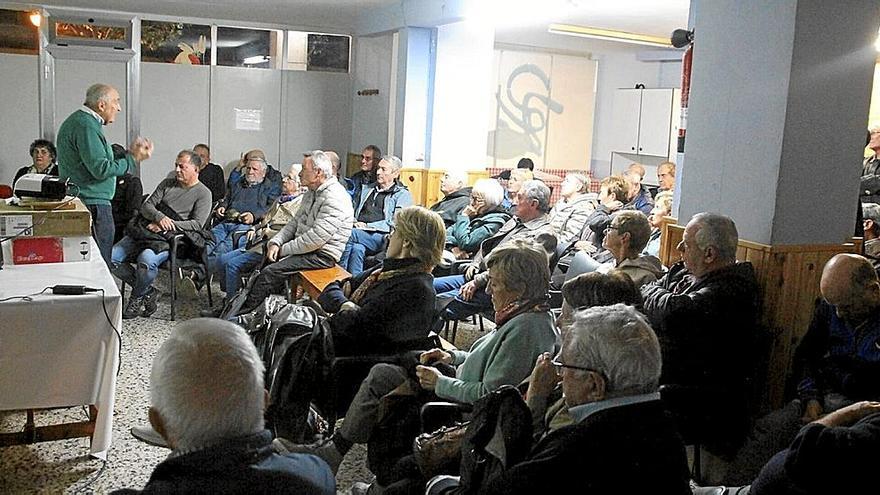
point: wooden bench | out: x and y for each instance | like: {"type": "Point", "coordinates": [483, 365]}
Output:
{"type": "Point", "coordinates": [313, 282]}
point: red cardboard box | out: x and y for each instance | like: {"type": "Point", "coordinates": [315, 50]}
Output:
{"type": "Point", "coordinates": [31, 250]}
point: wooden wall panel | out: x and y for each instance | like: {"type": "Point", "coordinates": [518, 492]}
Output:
{"type": "Point", "coordinates": [475, 175]}
{"type": "Point", "coordinates": [416, 180]}
{"type": "Point", "coordinates": [432, 187]}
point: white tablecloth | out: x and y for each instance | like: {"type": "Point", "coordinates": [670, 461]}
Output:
{"type": "Point", "coordinates": [60, 350]}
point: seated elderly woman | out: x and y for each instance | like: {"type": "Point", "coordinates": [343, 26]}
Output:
{"type": "Point", "coordinates": [387, 307]}
{"type": "Point", "coordinates": [662, 208]}
{"type": "Point", "coordinates": [479, 220]}
{"type": "Point", "coordinates": [519, 279]}
{"type": "Point", "coordinates": [570, 213]}
{"type": "Point", "coordinates": [625, 238]}
{"type": "Point", "coordinates": [42, 160]}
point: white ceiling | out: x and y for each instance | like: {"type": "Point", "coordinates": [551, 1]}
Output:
{"type": "Point", "coordinates": [655, 17]}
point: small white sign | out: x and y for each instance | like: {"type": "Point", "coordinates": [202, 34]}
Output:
{"type": "Point", "coordinates": [16, 224]}
{"type": "Point", "coordinates": [248, 119]}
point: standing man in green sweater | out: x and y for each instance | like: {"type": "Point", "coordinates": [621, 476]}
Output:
{"type": "Point", "coordinates": [86, 158]}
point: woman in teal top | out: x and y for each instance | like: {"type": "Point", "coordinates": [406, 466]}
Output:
{"type": "Point", "coordinates": [519, 277]}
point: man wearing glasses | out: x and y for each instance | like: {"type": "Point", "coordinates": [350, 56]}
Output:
{"type": "Point", "coordinates": [609, 367]}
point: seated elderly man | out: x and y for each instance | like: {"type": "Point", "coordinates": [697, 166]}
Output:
{"type": "Point", "coordinates": [871, 224]}
{"type": "Point", "coordinates": [625, 238]}
{"type": "Point", "coordinates": [463, 295]}
{"type": "Point", "coordinates": [207, 401]}
{"type": "Point", "coordinates": [314, 237]}
{"type": "Point", "coordinates": [838, 361]}
{"type": "Point", "coordinates": [833, 454]}
{"type": "Point", "coordinates": [571, 212]}
{"type": "Point", "coordinates": [232, 265]}
{"type": "Point", "coordinates": [374, 214]}
{"type": "Point", "coordinates": [178, 205]}
{"type": "Point", "coordinates": [456, 195]}
{"type": "Point", "coordinates": [704, 311]}
{"type": "Point", "coordinates": [479, 220]}
{"type": "Point", "coordinates": [245, 204]}
{"type": "Point", "coordinates": [665, 177]}
{"type": "Point", "coordinates": [609, 366]}
{"type": "Point", "coordinates": [638, 197]}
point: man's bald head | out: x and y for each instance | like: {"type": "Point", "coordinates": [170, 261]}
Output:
{"type": "Point", "coordinates": [850, 284]}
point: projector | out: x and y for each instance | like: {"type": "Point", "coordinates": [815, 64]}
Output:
{"type": "Point", "coordinates": [42, 186]}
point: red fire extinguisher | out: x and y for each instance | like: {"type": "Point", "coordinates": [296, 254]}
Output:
{"type": "Point", "coordinates": [686, 62]}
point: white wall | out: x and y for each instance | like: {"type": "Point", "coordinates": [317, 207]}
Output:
{"type": "Point", "coordinates": [316, 114]}
{"type": "Point", "coordinates": [174, 113]}
{"type": "Point", "coordinates": [19, 105]}
{"type": "Point", "coordinates": [462, 81]}
{"type": "Point", "coordinates": [619, 67]}
{"type": "Point", "coordinates": [371, 70]}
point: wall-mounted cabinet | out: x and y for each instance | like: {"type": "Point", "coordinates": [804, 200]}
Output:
{"type": "Point", "coordinates": [646, 121]}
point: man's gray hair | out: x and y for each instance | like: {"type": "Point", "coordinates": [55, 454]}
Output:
{"type": "Point", "coordinates": [207, 383]}
{"type": "Point", "coordinates": [581, 179]}
{"type": "Point", "coordinates": [718, 231]}
{"type": "Point", "coordinates": [296, 168]}
{"type": "Point", "coordinates": [194, 158]}
{"type": "Point", "coordinates": [322, 162]}
{"type": "Point", "coordinates": [262, 161]}
{"type": "Point", "coordinates": [96, 93]}
{"type": "Point", "coordinates": [493, 193]}
{"type": "Point", "coordinates": [334, 160]}
{"type": "Point", "coordinates": [874, 127]}
{"type": "Point", "coordinates": [871, 211]}
{"type": "Point", "coordinates": [538, 191]}
{"type": "Point", "coordinates": [392, 160]}
{"type": "Point", "coordinates": [618, 342]}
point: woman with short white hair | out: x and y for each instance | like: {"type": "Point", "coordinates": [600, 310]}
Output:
{"type": "Point", "coordinates": [479, 220]}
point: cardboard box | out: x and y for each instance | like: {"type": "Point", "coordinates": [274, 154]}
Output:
{"type": "Point", "coordinates": [31, 250]}
{"type": "Point", "coordinates": [73, 222]}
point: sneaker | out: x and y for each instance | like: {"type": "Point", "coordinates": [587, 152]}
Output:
{"type": "Point", "coordinates": [147, 434]}
{"type": "Point", "coordinates": [133, 308]}
{"type": "Point", "coordinates": [150, 305]}
{"type": "Point", "coordinates": [325, 449]}
{"type": "Point", "coordinates": [186, 284]}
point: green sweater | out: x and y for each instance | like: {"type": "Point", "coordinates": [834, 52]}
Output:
{"type": "Point", "coordinates": [86, 158]}
{"type": "Point", "coordinates": [504, 356]}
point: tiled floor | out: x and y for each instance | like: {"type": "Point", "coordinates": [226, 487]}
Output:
{"type": "Point", "coordinates": [65, 467]}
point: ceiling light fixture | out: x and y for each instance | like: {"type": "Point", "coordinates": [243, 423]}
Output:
{"type": "Point", "coordinates": [609, 35]}
{"type": "Point", "coordinates": [256, 59]}
{"type": "Point", "coordinates": [35, 18]}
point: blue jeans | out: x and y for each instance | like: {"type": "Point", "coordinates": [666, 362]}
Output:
{"type": "Point", "coordinates": [453, 307]}
{"type": "Point", "coordinates": [103, 229]}
{"type": "Point", "coordinates": [222, 244]}
{"type": "Point", "coordinates": [232, 265]}
{"type": "Point", "coordinates": [148, 263]}
{"type": "Point", "coordinates": [360, 244]}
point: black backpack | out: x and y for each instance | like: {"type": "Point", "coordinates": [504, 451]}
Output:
{"type": "Point", "coordinates": [502, 412]}
{"type": "Point", "coordinates": [296, 350]}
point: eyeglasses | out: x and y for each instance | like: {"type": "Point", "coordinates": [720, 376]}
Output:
{"type": "Point", "coordinates": [559, 365]}
{"type": "Point", "coordinates": [611, 227]}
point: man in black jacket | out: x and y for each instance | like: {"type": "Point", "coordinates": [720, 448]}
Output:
{"type": "Point", "coordinates": [455, 196]}
{"type": "Point", "coordinates": [704, 311]}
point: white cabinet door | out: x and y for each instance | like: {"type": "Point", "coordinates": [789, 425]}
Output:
{"type": "Point", "coordinates": [655, 122]}
{"type": "Point", "coordinates": [626, 120]}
